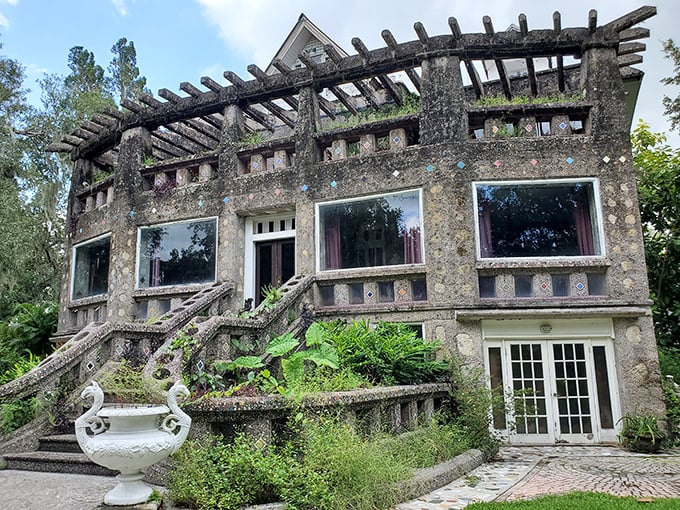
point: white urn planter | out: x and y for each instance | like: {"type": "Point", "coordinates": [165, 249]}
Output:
{"type": "Point", "coordinates": [129, 438]}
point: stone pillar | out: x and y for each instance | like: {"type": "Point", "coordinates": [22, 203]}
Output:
{"type": "Point", "coordinates": [232, 130]}
{"type": "Point", "coordinates": [394, 416]}
{"type": "Point", "coordinates": [367, 144]}
{"type": "Point", "coordinates": [306, 148]}
{"type": "Point", "coordinates": [398, 139]}
{"type": "Point", "coordinates": [338, 149]}
{"type": "Point", "coordinates": [427, 411]}
{"type": "Point", "coordinates": [602, 85]}
{"type": "Point", "coordinates": [134, 145]}
{"type": "Point", "coordinates": [442, 117]}
{"type": "Point", "coordinates": [409, 415]}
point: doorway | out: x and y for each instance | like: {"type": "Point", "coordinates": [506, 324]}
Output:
{"type": "Point", "coordinates": [274, 264]}
{"type": "Point", "coordinates": [554, 390]}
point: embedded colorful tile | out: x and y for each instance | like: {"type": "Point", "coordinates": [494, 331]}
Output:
{"type": "Point", "coordinates": [340, 295]}
{"type": "Point", "coordinates": [402, 292]}
{"type": "Point", "coordinates": [255, 165]}
{"type": "Point", "coordinates": [461, 165]}
{"type": "Point", "coordinates": [363, 178]}
{"type": "Point", "coordinates": [562, 125]}
{"type": "Point", "coordinates": [569, 160]}
{"type": "Point", "coordinates": [131, 214]}
{"type": "Point", "coordinates": [505, 286]}
{"type": "Point", "coordinates": [333, 184]}
{"type": "Point", "coordinates": [200, 203]}
{"type": "Point", "coordinates": [396, 139]}
{"type": "Point", "coordinates": [369, 294]}
{"type": "Point", "coordinates": [154, 210]}
{"type": "Point", "coordinates": [277, 192]}
{"type": "Point", "coordinates": [279, 161]}
{"type": "Point", "coordinates": [80, 230]}
{"type": "Point", "coordinates": [606, 159]}
{"type": "Point", "coordinates": [367, 145]}
{"type": "Point", "coordinates": [622, 159]}
{"type": "Point", "coordinates": [225, 200]}
{"type": "Point", "coordinates": [533, 162]}
{"type": "Point", "coordinates": [497, 163]}
{"type": "Point", "coordinates": [529, 128]}
{"type": "Point", "coordinates": [200, 365]}
{"type": "Point", "coordinates": [429, 168]}
{"type": "Point", "coordinates": [158, 182]}
{"type": "Point", "coordinates": [251, 196]}
{"type": "Point", "coordinates": [89, 366]}
{"type": "Point", "coordinates": [494, 129]}
{"type": "Point", "coordinates": [396, 173]}
{"type": "Point", "coordinates": [338, 150]}
{"type": "Point", "coordinates": [304, 187]}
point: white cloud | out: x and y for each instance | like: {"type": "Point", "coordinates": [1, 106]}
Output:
{"type": "Point", "coordinates": [120, 7]}
{"type": "Point", "coordinates": [9, 2]}
{"type": "Point", "coordinates": [4, 22]}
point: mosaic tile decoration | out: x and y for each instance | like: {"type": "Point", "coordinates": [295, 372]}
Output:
{"type": "Point", "coordinates": [622, 159]}
{"type": "Point", "coordinates": [569, 160]}
{"type": "Point", "coordinates": [497, 163]}
{"type": "Point", "coordinates": [200, 203]}
{"type": "Point", "coordinates": [461, 165]}
{"type": "Point", "coordinates": [429, 168]}
{"type": "Point", "coordinates": [606, 159]}
{"type": "Point", "coordinates": [397, 139]}
{"type": "Point", "coordinates": [396, 173]}
{"type": "Point", "coordinates": [495, 129]}
{"type": "Point", "coordinates": [562, 125]}
{"type": "Point", "coordinates": [225, 200]}
{"type": "Point", "coordinates": [304, 187]}
{"type": "Point", "coordinates": [533, 162]}
{"type": "Point", "coordinates": [334, 184]}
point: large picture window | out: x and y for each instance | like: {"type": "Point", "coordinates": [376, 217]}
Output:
{"type": "Point", "coordinates": [177, 253]}
{"type": "Point", "coordinates": [91, 268]}
{"type": "Point", "coordinates": [547, 219]}
{"type": "Point", "coordinates": [383, 230]}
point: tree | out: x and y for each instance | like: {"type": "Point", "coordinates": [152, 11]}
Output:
{"type": "Point", "coordinates": [125, 77]}
{"type": "Point", "coordinates": [659, 193]}
{"type": "Point", "coordinates": [672, 105]}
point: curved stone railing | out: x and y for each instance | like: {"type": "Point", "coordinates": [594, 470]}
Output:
{"type": "Point", "coordinates": [84, 344]}
{"type": "Point", "coordinates": [391, 408]}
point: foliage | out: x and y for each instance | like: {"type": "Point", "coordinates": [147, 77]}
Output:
{"type": "Point", "coordinates": [251, 139]}
{"type": "Point", "coordinates": [578, 500]}
{"type": "Point", "coordinates": [672, 105]}
{"type": "Point", "coordinates": [672, 402]}
{"type": "Point", "coordinates": [389, 354]}
{"type": "Point", "coordinates": [669, 361]}
{"type": "Point", "coordinates": [16, 414]}
{"type": "Point", "coordinates": [410, 105]}
{"type": "Point", "coordinates": [501, 100]}
{"type": "Point", "coordinates": [127, 384]}
{"type": "Point", "coordinates": [327, 465]}
{"type": "Point", "coordinates": [30, 328]}
{"type": "Point", "coordinates": [638, 427]}
{"type": "Point", "coordinates": [472, 402]}
{"type": "Point", "coordinates": [125, 78]}
{"type": "Point", "coordinates": [659, 193]}
{"type": "Point", "coordinates": [22, 366]}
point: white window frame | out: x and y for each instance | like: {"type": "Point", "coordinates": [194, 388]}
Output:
{"type": "Point", "coordinates": [74, 249]}
{"type": "Point", "coordinates": [317, 227]}
{"type": "Point", "coordinates": [598, 235]}
{"type": "Point", "coordinates": [157, 225]}
{"type": "Point", "coordinates": [252, 237]}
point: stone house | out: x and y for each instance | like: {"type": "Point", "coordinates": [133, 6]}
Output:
{"type": "Point", "coordinates": [395, 184]}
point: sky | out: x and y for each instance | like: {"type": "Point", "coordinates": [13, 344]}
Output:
{"type": "Point", "coordinates": [182, 40]}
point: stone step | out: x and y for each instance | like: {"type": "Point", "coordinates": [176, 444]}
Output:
{"type": "Point", "coordinates": [62, 443]}
{"type": "Point", "coordinates": [56, 462]}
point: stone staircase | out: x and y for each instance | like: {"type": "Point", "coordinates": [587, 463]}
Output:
{"type": "Point", "coordinates": [56, 454]}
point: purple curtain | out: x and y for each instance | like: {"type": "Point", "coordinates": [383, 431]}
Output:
{"type": "Point", "coordinates": [485, 237]}
{"type": "Point", "coordinates": [584, 227]}
{"type": "Point", "coordinates": [333, 243]}
{"type": "Point", "coordinates": [412, 246]}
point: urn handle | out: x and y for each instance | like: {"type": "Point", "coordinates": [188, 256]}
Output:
{"type": "Point", "coordinates": [177, 418]}
{"type": "Point", "coordinates": [89, 419]}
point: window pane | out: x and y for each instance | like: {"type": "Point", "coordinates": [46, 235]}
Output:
{"type": "Point", "coordinates": [380, 231]}
{"type": "Point", "coordinates": [356, 293]}
{"type": "Point", "coordinates": [385, 292]}
{"type": "Point", "coordinates": [487, 286]}
{"type": "Point", "coordinates": [537, 220]}
{"type": "Point", "coordinates": [177, 254]}
{"type": "Point", "coordinates": [91, 269]}
{"type": "Point", "coordinates": [327, 295]}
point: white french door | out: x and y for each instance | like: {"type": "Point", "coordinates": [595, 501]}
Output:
{"type": "Point", "coordinates": [556, 390]}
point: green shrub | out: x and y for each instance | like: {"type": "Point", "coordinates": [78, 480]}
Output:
{"type": "Point", "coordinates": [21, 366]}
{"type": "Point", "coordinates": [390, 354]}
{"type": "Point", "coordinates": [16, 414]}
{"type": "Point", "coordinates": [669, 361]}
{"type": "Point", "coordinates": [30, 328]}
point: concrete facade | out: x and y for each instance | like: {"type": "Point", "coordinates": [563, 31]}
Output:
{"type": "Point", "coordinates": [186, 159]}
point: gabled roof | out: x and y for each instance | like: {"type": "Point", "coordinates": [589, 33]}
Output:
{"type": "Point", "coordinates": [303, 33]}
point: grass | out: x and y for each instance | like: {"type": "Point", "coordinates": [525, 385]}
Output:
{"type": "Point", "coordinates": [499, 100]}
{"type": "Point", "coordinates": [579, 501]}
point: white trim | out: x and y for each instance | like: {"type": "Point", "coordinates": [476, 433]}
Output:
{"type": "Point", "coordinates": [537, 182]}
{"type": "Point", "coordinates": [74, 248]}
{"type": "Point", "coordinates": [157, 225]}
{"type": "Point", "coordinates": [249, 276]}
{"type": "Point", "coordinates": [317, 228]}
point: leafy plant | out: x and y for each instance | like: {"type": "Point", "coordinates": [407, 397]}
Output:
{"type": "Point", "coordinates": [16, 414]}
{"type": "Point", "coordinates": [30, 327]}
{"type": "Point", "coordinates": [638, 429]}
{"type": "Point", "coordinates": [672, 401]}
{"type": "Point", "coordinates": [500, 99]}
{"type": "Point", "coordinates": [126, 383]}
{"type": "Point", "coordinates": [410, 104]}
{"type": "Point", "coordinates": [391, 353]}
{"type": "Point", "coordinates": [22, 366]}
{"type": "Point", "coordinates": [250, 139]}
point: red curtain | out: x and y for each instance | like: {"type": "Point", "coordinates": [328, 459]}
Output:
{"type": "Point", "coordinates": [584, 226]}
{"type": "Point", "coordinates": [485, 236]}
{"type": "Point", "coordinates": [412, 246]}
{"type": "Point", "coordinates": [332, 243]}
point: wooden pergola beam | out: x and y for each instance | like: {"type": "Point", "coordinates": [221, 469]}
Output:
{"type": "Point", "coordinates": [631, 19]}
{"type": "Point", "coordinates": [500, 66]}
{"type": "Point", "coordinates": [531, 69]}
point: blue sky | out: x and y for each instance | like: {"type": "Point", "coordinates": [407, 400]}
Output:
{"type": "Point", "coordinates": [182, 40]}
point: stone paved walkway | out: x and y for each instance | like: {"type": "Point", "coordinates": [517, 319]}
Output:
{"type": "Point", "coordinates": [519, 473]}
{"type": "Point", "coordinates": [528, 472]}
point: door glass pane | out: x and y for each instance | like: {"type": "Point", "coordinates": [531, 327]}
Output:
{"type": "Point", "coordinates": [496, 381]}
{"type": "Point", "coordinates": [571, 385]}
{"type": "Point", "coordinates": [602, 383]}
{"type": "Point", "coordinates": [529, 399]}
